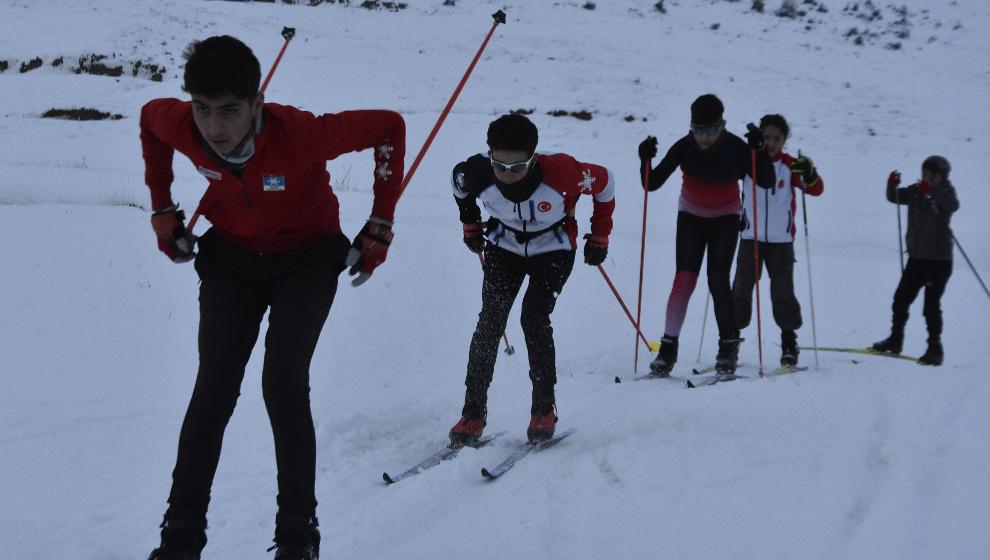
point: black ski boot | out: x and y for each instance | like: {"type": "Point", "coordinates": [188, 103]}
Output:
{"type": "Point", "coordinates": [890, 345]}
{"type": "Point", "coordinates": [183, 536]}
{"type": "Point", "coordinates": [788, 348]}
{"type": "Point", "coordinates": [297, 537]}
{"type": "Point", "coordinates": [934, 355]}
{"type": "Point", "coordinates": [666, 357]}
{"type": "Point", "coordinates": [728, 355]}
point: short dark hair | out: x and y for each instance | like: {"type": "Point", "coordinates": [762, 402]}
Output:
{"type": "Point", "coordinates": [778, 121]}
{"type": "Point", "coordinates": [513, 132]}
{"type": "Point", "coordinates": [221, 65]}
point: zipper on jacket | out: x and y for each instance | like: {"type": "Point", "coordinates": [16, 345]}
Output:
{"type": "Point", "coordinates": [245, 195]}
{"type": "Point", "coordinates": [766, 218]}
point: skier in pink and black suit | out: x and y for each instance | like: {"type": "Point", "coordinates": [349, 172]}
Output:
{"type": "Point", "coordinates": [713, 161]}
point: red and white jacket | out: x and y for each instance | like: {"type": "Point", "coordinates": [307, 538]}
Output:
{"type": "Point", "coordinates": [535, 215]}
{"type": "Point", "coordinates": [282, 199]}
{"type": "Point", "coordinates": [776, 207]}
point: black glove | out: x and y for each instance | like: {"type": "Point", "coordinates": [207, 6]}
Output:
{"type": "Point", "coordinates": [474, 238]}
{"type": "Point", "coordinates": [648, 148]}
{"type": "Point", "coordinates": [804, 167]}
{"type": "Point", "coordinates": [754, 137]}
{"type": "Point", "coordinates": [595, 249]}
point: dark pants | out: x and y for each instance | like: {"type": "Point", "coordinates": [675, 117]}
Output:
{"type": "Point", "coordinates": [931, 275]}
{"type": "Point", "coordinates": [504, 275]}
{"type": "Point", "coordinates": [696, 236]}
{"type": "Point", "coordinates": [779, 261]}
{"type": "Point", "coordinates": [236, 289]}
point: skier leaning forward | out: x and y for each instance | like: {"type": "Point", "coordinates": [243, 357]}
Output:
{"type": "Point", "coordinates": [777, 211]}
{"type": "Point", "coordinates": [713, 161]}
{"type": "Point", "coordinates": [531, 232]}
{"type": "Point", "coordinates": [275, 245]}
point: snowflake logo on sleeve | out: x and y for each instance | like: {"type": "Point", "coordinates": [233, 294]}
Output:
{"type": "Point", "coordinates": [383, 154]}
{"type": "Point", "coordinates": [587, 181]}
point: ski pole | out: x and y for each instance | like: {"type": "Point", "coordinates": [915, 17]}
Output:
{"type": "Point", "coordinates": [970, 263]}
{"type": "Point", "coordinates": [956, 241]}
{"type": "Point", "coordinates": [900, 235]}
{"type": "Point", "coordinates": [287, 33]}
{"type": "Point", "coordinates": [756, 259]}
{"type": "Point", "coordinates": [505, 335]}
{"type": "Point", "coordinates": [624, 308]}
{"type": "Point", "coordinates": [807, 258]}
{"type": "Point", "coordinates": [642, 259]}
{"type": "Point", "coordinates": [499, 17]}
{"type": "Point", "coordinates": [704, 323]}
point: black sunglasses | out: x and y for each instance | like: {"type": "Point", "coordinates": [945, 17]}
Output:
{"type": "Point", "coordinates": [705, 130]}
{"type": "Point", "coordinates": [517, 167]}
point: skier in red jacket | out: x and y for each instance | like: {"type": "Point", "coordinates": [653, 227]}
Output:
{"type": "Point", "coordinates": [275, 245]}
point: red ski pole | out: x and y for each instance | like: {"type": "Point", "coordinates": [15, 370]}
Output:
{"type": "Point", "coordinates": [642, 259]}
{"type": "Point", "coordinates": [499, 17]}
{"type": "Point", "coordinates": [288, 33]}
{"type": "Point", "coordinates": [756, 262]}
{"type": "Point", "coordinates": [624, 308]}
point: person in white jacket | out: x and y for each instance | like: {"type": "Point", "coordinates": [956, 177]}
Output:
{"type": "Point", "coordinates": [774, 223]}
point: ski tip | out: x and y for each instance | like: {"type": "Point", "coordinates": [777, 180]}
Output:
{"type": "Point", "coordinates": [388, 479]}
{"type": "Point", "coordinates": [618, 379]}
{"type": "Point", "coordinates": [689, 384]}
{"type": "Point", "coordinates": [487, 474]}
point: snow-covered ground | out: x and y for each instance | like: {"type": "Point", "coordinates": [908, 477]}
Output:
{"type": "Point", "coordinates": [875, 459]}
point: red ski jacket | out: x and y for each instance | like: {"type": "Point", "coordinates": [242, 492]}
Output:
{"type": "Point", "coordinates": [282, 199]}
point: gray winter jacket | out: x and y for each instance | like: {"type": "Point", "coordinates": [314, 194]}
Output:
{"type": "Point", "coordinates": [928, 234]}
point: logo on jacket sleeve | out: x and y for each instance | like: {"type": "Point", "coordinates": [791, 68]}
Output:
{"type": "Point", "coordinates": [587, 181]}
{"type": "Point", "coordinates": [272, 183]}
{"type": "Point", "coordinates": [544, 206]}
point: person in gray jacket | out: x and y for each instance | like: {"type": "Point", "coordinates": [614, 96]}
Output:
{"type": "Point", "coordinates": [931, 203]}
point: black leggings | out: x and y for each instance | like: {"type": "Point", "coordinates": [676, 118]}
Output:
{"type": "Point", "coordinates": [237, 287]}
{"type": "Point", "coordinates": [931, 275]}
{"type": "Point", "coordinates": [504, 275]}
{"type": "Point", "coordinates": [695, 236]}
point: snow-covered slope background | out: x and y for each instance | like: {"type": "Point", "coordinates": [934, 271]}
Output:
{"type": "Point", "coordinates": [876, 459]}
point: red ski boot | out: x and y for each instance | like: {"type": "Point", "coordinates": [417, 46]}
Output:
{"type": "Point", "coordinates": [467, 430]}
{"type": "Point", "coordinates": [541, 427]}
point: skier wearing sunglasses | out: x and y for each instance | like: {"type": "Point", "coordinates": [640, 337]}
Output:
{"type": "Point", "coordinates": [713, 160]}
{"type": "Point", "coordinates": [531, 231]}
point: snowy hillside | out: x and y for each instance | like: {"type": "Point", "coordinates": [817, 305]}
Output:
{"type": "Point", "coordinates": [869, 458]}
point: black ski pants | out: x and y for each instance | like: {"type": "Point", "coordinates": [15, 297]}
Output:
{"type": "Point", "coordinates": [932, 275]}
{"type": "Point", "coordinates": [237, 287]}
{"type": "Point", "coordinates": [504, 275]}
{"type": "Point", "coordinates": [779, 261]}
{"type": "Point", "coordinates": [696, 236]}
